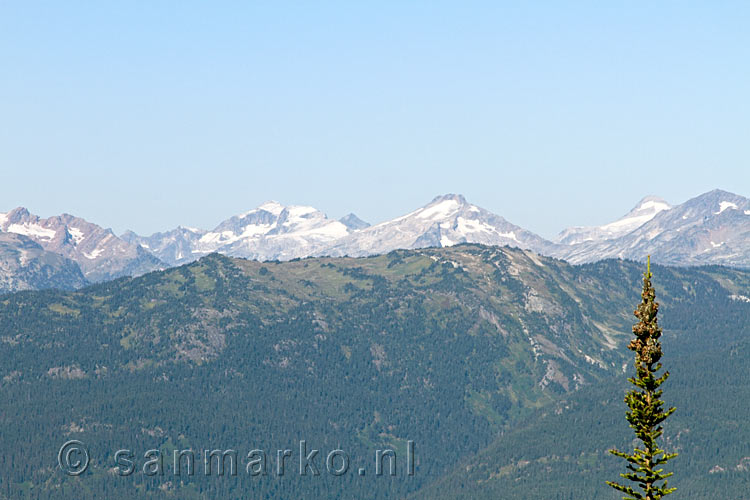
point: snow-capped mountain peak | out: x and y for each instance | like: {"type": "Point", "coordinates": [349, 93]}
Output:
{"type": "Point", "coordinates": [442, 207]}
{"type": "Point", "coordinates": [644, 211]}
{"type": "Point", "coordinates": [712, 228]}
{"type": "Point", "coordinates": [269, 231]}
{"type": "Point", "coordinates": [447, 220]}
{"type": "Point", "coordinates": [271, 206]}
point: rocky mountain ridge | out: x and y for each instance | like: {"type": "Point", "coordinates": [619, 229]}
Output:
{"type": "Point", "coordinates": [713, 228]}
{"type": "Point", "coordinates": [99, 253]}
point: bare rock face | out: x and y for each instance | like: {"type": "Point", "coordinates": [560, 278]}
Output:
{"type": "Point", "coordinates": [98, 252]}
{"type": "Point", "coordinates": [25, 265]}
{"type": "Point", "coordinates": [353, 222]}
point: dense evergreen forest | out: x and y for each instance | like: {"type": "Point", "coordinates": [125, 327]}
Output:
{"type": "Point", "coordinates": [561, 452]}
{"type": "Point", "coordinates": [503, 367]}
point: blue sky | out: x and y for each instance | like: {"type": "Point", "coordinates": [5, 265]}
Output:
{"type": "Point", "coordinates": [146, 115]}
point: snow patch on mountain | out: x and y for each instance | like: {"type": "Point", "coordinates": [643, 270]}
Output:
{"type": "Point", "coordinates": [273, 207]}
{"type": "Point", "coordinates": [93, 254]}
{"type": "Point", "coordinates": [31, 230]}
{"type": "Point", "coordinates": [447, 242]}
{"type": "Point", "coordinates": [76, 234]}
{"type": "Point", "coordinates": [465, 226]}
{"type": "Point", "coordinates": [511, 236]}
{"type": "Point", "coordinates": [725, 205]}
{"type": "Point", "coordinates": [440, 210]}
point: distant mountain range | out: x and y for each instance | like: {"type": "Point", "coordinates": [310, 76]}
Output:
{"type": "Point", "coordinates": [713, 228]}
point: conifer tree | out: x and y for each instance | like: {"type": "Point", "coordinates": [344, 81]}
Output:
{"type": "Point", "coordinates": [645, 407]}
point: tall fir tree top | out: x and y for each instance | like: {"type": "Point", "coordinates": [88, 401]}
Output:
{"type": "Point", "coordinates": [647, 332]}
{"type": "Point", "coordinates": [645, 407]}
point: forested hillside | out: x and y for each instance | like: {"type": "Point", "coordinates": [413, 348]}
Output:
{"type": "Point", "coordinates": [457, 349]}
{"type": "Point", "coordinates": [561, 452]}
